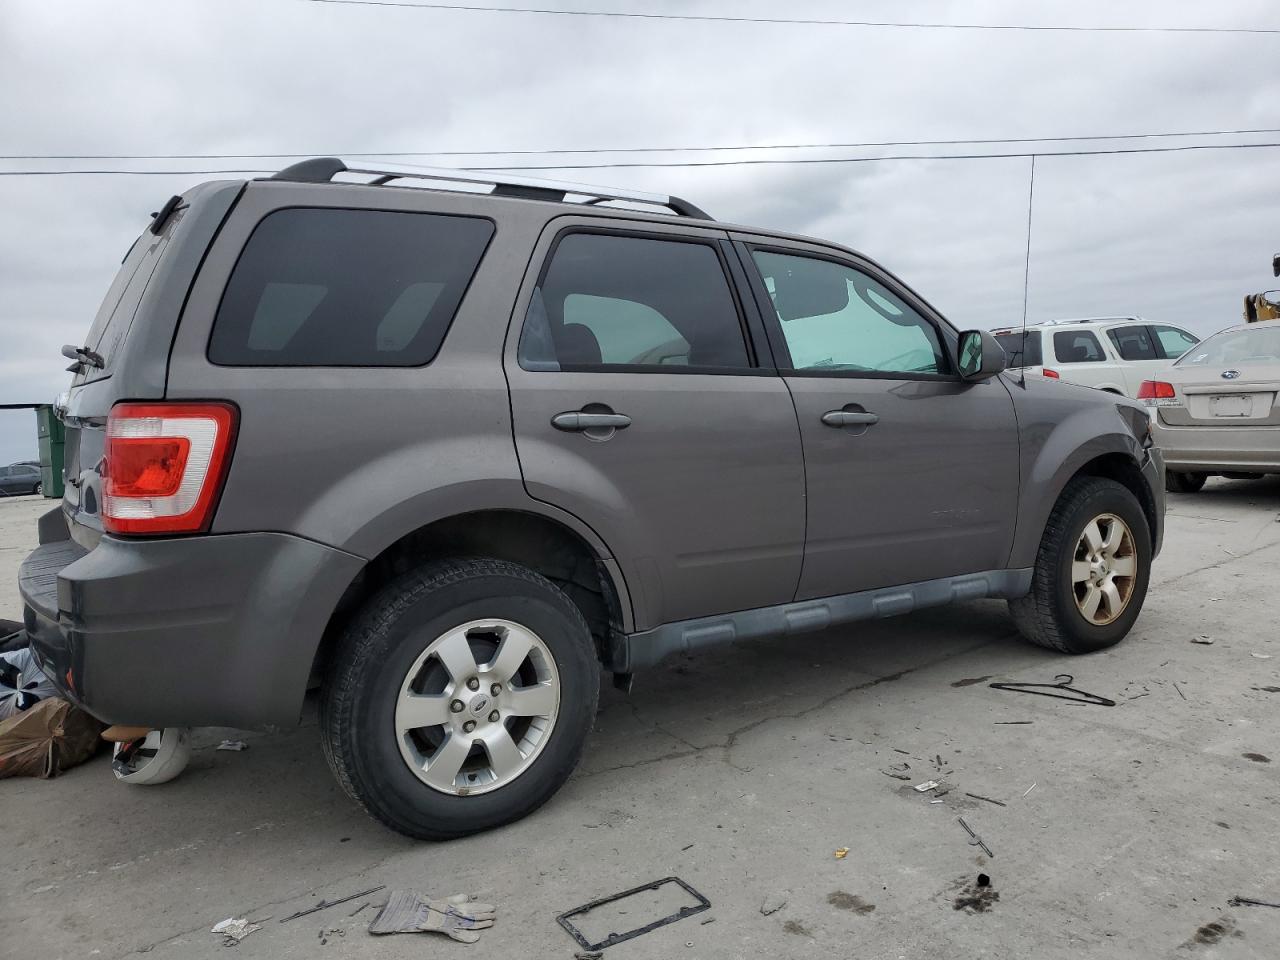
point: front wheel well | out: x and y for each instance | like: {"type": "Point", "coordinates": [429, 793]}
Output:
{"type": "Point", "coordinates": [529, 539]}
{"type": "Point", "coordinates": [1123, 469]}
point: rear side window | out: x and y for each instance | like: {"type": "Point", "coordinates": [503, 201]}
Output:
{"type": "Point", "coordinates": [1133, 343]}
{"type": "Point", "coordinates": [346, 288]}
{"type": "Point", "coordinates": [621, 301]}
{"type": "Point", "coordinates": [1077, 346]}
{"type": "Point", "coordinates": [1022, 349]}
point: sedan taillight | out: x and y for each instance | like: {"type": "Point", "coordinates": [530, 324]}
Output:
{"type": "Point", "coordinates": [1157, 393]}
{"type": "Point", "coordinates": [164, 466]}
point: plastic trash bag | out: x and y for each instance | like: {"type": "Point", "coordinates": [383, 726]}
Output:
{"type": "Point", "coordinates": [46, 739]}
{"type": "Point", "coordinates": [22, 683]}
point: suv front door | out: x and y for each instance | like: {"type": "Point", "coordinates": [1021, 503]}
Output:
{"type": "Point", "coordinates": [912, 472]}
{"type": "Point", "coordinates": [639, 406]}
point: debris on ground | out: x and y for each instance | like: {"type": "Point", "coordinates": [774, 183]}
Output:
{"type": "Point", "coordinates": [1029, 789]}
{"type": "Point", "coordinates": [976, 896]}
{"type": "Point", "coordinates": [1256, 757]}
{"type": "Point", "coordinates": [974, 839]}
{"type": "Point", "coordinates": [926, 786]}
{"type": "Point", "coordinates": [1202, 638]}
{"type": "Point", "coordinates": [772, 904]}
{"type": "Point", "coordinates": [457, 917]}
{"type": "Point", "coordinates": [842, 852]}
{"type": "Point", "coordinates": [47, 738]}
{"type": "Point", "coordinates": [1213, 932]}
{"type": "Point", "coordinates": [899, 771]}
{"type": "Point", "coordinates": [326, 904]}
{"type": "Point", "coordinates": [698, 905]}
{"type": "Point", "coordinates": [1062, 685]}
{"type": "Point", "coordinates": [1261, 656]}
{"type": "Point", "coordinates": [234, 929]}
{"type": "Point", "coordinates": [1250, 902]}
{"type": "Point", "coordinates": [22, 682]}
{"type": "Point", "coordinates": [331, 932]}
{"type": "Point", "coordinates": [1266, 689]}
{"type": "Point", "coordinates": [588, 955]}
{"type": "Point", "coordinates": [232, 745]}
{"type": "Point", "coordinates": [976, 796]}
{"type": "Point", "coordinates": [969, 681]}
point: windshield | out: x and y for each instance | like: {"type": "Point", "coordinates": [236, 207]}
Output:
{"type": "Point", "coordinates": [1237, 348]}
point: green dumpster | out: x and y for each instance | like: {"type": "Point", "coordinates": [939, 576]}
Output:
{"type": "Point", "coordinates": [52, 440]}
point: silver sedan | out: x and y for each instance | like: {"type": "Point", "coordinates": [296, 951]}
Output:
{"type": "Point", "coordinates": [1216, 410]}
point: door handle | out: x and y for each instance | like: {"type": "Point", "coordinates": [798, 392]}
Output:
{"type": "Point", "coordinates": [849, 418]}
{"type": "Point", "coordinates": [579, 421]}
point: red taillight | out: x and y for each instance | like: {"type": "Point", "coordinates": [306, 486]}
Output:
{"type": "Point", "coordinates": [1155, 390]}
{"type": "Point", "coordinates": [164, 466]}
{"type": "Point", "coordinates": [1051, 374]}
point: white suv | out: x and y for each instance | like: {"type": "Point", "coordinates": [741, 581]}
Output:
{"type": "Point", "coordinates": [1111, 353]}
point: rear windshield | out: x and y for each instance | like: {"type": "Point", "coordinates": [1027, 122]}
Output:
{"type": "Point", "coordinates": [1238, 348]}
{"type": "Point", "coordinates": [115, 316]}
{"type": "Point", "coordinates": [346, 288]}
{"type": "Point", "coordinates": [1018, 357]}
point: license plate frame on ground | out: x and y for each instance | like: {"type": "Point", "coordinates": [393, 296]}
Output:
{"type": "Point", "coordinates": [700, 904]}
{"type": "Point", "coordinates": [1231, 405]}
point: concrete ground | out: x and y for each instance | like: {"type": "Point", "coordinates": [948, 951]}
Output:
{"type": "Point", "coordinates": [1123, 832]}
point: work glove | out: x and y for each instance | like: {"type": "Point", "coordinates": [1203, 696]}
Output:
{"type": "Point", "coordinates": [456, 917]}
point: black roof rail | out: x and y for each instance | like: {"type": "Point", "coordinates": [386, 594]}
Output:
{"type": "Point", "coordinates": [324, 169]}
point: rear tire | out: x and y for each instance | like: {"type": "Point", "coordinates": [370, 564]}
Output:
{"type": "Point", "coordinates": [1176, 481]}
{"type": "Point", "coordinates": [1070, 576]}
{"type": "Point", "coordinates": [432, 640]}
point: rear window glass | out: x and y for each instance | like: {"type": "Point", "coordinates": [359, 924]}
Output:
{"type": "Point", "coordinates": [346, 288]}
{"type": "Point", "coordinates": [1022, 349]}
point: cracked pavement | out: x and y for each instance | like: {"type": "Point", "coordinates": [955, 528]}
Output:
{"type": "Point", "coordinates": [742, 771]}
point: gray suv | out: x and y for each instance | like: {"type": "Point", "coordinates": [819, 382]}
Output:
{"type": "Point", "coordinates": [445, 450]}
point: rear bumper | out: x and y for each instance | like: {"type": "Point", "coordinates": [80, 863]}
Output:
{"type": "Point", "coordinates": [1217, 449]}
{"type": "Point", "coordinates": [196, 631]}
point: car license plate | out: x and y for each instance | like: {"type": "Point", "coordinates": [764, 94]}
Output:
{"type": "Point", "coordinates": [1231, 405]}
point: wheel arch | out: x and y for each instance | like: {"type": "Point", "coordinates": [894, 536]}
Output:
{"type": "Point", "coordinates": [574, 559]}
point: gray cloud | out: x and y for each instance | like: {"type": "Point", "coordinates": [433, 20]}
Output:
{"type": "Point", "coordinates": [1178, 237]}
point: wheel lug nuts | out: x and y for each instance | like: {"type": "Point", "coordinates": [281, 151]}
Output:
{"type": "Point", "coordinates": [473, 684]}
{"type": "Point", "coordinates": [468, 726]}
{"type": "Point", "coordinates": [493, 717]}
{"type": "Point", "coordinates": [496, 689]}
{"type": "Point", "coordinates": [456, 706]}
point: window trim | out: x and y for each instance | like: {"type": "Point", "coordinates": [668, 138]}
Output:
{"type": "Point", "coordinates": [444, 336]}
{"type": "Point", "coordinates": [1097, 342]}
{"type": "Point", "coordinates": [732, 281]}
{"type": "Point", "coordinates": [947, 335]}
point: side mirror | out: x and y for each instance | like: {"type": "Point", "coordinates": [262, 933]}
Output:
{"type": "Point", "coordinates": [980, 356]}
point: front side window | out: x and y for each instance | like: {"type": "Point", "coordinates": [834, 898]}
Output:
{"type": "Point", "coordinates": [836, 318]}
{"type": "Point", "coordinates": [1174, 342]}
{"type": "Point", "coordinates": [346, 288]}
{"type": "Point", "coordinates": [1022, 349]}
{"type": "Point", "coordinates": [1133, 343]}
{"type": "Point", "coordinates": [1077, 346]}
{"type": "Point", "coordinates": [621, 301]}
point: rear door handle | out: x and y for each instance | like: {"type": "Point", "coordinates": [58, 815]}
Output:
{"type": "Point", "coordinates": [848, 418]}
{"type": "Point", "coordinates": [579, 421]}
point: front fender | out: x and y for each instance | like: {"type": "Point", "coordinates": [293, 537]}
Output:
{"type": "Point", "coordinates": [1063, 429]}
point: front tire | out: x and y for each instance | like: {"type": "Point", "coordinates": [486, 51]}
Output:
{"type": "Point", "coordinates": [1175, 481]}
{"type": "Point", "coordinates": [460, 698]}
{"type": "Point", "coordinates": [1091, 572]}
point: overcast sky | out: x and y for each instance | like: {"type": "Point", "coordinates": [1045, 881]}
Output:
{"type": "Point", "coordinates": [1176, 237]}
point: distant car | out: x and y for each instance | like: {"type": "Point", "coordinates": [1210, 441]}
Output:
{"type": "Point", "coordinates": [1216, 411]}
{"type": "Point", "coordinates": [1110, 353]}
{"type": "Point", "coordinates": [20, 478]}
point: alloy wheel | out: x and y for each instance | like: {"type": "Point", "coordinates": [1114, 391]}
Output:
{"type": "Point", "coordinates": [1104, 569]}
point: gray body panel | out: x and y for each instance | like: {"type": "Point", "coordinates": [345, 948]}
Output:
{"type": "Point", "coordinates": [696, 512]}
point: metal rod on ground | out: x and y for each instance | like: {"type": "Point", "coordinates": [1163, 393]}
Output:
{"type": "Point", "coordinates": [326, 904]}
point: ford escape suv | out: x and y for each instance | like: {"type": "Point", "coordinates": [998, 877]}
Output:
{"type": "Point", "coordinates": [445, 445]}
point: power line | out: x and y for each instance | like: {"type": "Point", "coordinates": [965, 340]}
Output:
{"type": "Point", "coordinates": [707, 18]}
{"type": "Point", "coordinates": [780, 161]}
{"type": "Point", "coordinates": [602, 150]}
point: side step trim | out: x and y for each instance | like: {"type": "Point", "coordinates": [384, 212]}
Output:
{"type": "Point", "coordinates": [630, 652]}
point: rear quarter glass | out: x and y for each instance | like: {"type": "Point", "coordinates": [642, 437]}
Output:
{"type": "Point", "coordinates": [326, 287]}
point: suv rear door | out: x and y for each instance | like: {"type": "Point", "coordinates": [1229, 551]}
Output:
{"type": "Point", "coordinates": [912, 472]}
{"type": "Point", "coordinates": [641, 403]}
